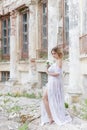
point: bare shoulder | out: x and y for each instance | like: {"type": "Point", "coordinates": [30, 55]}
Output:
{"type": "Point", "coordinates": [60, 63]}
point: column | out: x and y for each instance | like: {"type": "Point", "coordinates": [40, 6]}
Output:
{"type": "Point", "coordinates": [32, 30]}
{"type": "Point", "coordinates": [74, 62]}
{"type": "Point", "coordinates": [0, 40]}
{"type": "Point", "coordinates": [32, 45]}
{"type": "Point", "coordinates": [52, 25]}
{"type": "Point", "coordinates": [18, 50]}
{"type": "Point", "coordinates": [13, 54]}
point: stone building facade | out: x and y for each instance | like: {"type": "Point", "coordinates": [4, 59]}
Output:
{"type": "Point", "coordinates": [28, 31]}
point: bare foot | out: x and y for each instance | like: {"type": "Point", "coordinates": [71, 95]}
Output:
{"type": "Point", "coordinates": [51, 121]}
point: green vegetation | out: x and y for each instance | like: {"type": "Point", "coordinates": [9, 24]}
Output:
{"type": "Point", "coordinates": [39, 95]}
{"type": "Point", "coordinates": [14, 109]}
{"type": "Point", "coordinates": [6, 100]}
{"type": "Point", "coordinates": [74, 109]}
{"type": "Point", "coordinates": [24, 127]}
{"type": "Point", "coordinates": [84, 109]}
{"type": "Point", "coordinates": [80, 110]}
{"type": "Point", "coordinates": [66, 105]}
{"type": "Point", "coordinates": [32, 95]}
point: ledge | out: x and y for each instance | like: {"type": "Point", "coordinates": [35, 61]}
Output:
{"type": "Point", "coordinates": [4, 62]}
{"type": "Point", "coordinates": [83, 56]}
{"type": "Point", "coordinates": [23, 62]}
{"type": "Point", "coordinates": [41, 61]}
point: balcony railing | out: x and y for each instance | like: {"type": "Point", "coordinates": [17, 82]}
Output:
{"type": "Point", "coordinates": [83, 44]}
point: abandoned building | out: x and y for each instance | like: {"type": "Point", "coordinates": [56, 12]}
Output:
{"type": "Point", "coordinates": [28, 31]}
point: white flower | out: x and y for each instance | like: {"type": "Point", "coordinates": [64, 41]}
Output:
{"type": "Point", "coordinates": [48, 63]}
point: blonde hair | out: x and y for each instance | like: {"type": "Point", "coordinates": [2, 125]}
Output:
{"type": "Point", "coordinates": [58, 51]}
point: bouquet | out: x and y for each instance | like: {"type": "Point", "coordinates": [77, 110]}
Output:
{"type": "Point", "coordinates": [48, 63]}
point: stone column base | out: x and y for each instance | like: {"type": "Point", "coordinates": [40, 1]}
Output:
{"type": "Point", "coordinates": [75, 97]}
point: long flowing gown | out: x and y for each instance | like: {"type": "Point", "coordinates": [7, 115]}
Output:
{"type": "Point", "coordinates": [55, 98]}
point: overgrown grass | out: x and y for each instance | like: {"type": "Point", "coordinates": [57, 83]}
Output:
{"type": "Point", "coordinates": [1, 95]}
{"type": "Point", "coordinates": [23, 127]}
{"type": "Point", "coordinates": [6, 100]}
{"type": "Point", "coordinates": [80, 109]}
{"type": "Point", "coordinates": [18, 94]}
{"type": "Point", "coordinates": [14, 109]}
{"type": "Point", "coordinates": [32, 95]}
{"type": "Point", "coordinates": [84, 109]}
{"type": "Point", "coordinates": [66, 105]}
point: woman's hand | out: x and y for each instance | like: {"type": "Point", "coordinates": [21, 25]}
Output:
{"type": "Point", "coordinates": [52, 74]}
{"type": "Point", "coordinates": [47, 71]}
{"type": "Point", "coordinates": [48, 66]}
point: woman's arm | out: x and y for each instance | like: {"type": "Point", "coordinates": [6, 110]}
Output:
{"type": "Point", "coordinates": [52, 74]}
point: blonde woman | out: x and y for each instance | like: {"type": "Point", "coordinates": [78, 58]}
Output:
{"type": "Point", "coordinates": [52, 109]}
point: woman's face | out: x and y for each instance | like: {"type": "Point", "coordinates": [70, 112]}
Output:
{"type": "Point", "coordinates": [54, 54]}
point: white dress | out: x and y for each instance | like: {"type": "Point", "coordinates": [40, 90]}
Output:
{"type": "Point", "coordinates": [55, 99]}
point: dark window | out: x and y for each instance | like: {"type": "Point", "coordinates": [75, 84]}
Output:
{"type": "Point", "coordinates": [6, 37]}
{"type": "Point", "coordinates": [66, 21]}
{"type": "Point", "coordinates": [44, 79]}
{"type": "Point", "coordinates": [5, 76]}
{"type": "Point", "coordinates": [25, 35]}
{"type": "Point", "coordinates": [44, 26]}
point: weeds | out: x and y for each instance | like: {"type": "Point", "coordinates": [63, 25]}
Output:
{"type": "Point", "coordinates": [23, 127]}
{"type": "Point", "coordinates": [66, 105]}
{"type": "Point", "coordinates": [15, 109]}
{"type": "Point", "coordinates": [32, 95]}
{"type": "Point", "coordinates": [84, 109]}
{"type": "Point", "coordinates": [27, 95]}
{"type": "Point", "coordinates": [6, 100]}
